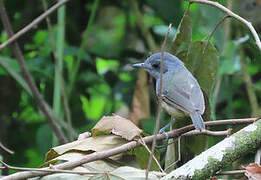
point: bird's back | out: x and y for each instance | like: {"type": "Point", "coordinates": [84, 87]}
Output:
{"type": "Point", "coordinates": [181, 90]}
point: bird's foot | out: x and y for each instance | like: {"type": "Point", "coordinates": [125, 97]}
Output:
{"type": "Point", "coordinates": [162, 130]}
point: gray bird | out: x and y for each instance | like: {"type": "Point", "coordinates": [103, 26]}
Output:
{"type": "Point", "coordinates": [181, 92]}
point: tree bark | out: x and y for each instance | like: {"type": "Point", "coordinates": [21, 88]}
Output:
{"type": "Point", "coordinates": [222, 154]}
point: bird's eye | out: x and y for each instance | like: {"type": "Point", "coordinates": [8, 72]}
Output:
{"type": "Point", "coordinates": [156, 65]}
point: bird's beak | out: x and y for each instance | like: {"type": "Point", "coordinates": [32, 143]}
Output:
{"type": "Point", "coordinates": [140, 65]}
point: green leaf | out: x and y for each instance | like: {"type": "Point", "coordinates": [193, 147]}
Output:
{"type": "Point", "coordinates": [125, 77]}
{"type": "Point", "coordinates": [252, 69]}
{"type": "Point", "coordinates": [152, 20]}
{"type": "Point", "coordinates": [44, 138]}
{"type": "Point", "coordinates": [93, 107]}
{"type": "Point", "coordinates": [142, 156]}
{"type": "Point", "coordinates": [229, 66]}
{"type": "Point", "coordinates": [40, 37]}
{"type": "Point", "coordinates": [204, 66]}
{"type": "Point", "coordinates": [3, 37]}
{"type": "Point", "coordinates": [11, 63]}
{"type": "Point", "coordinates": [100, 89]}
{"type": "Point", "coordinates": [162, 30]}
{"type": "Point", "coordinates": [183, 36]}
{"type": "Point", "coordinates": [11, 67]}
{"type": "Point", "coordinates": [105, 65]}
{"type": "Point", "coordinates": [29, 115]}
{"type": "Point", "coordinates": [69, 62]}
{"type": "Point", "coordinates": [34, 158]}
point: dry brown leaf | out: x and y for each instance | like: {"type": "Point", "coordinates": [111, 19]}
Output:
{"type": "Point", "coordinates": [141, 101]}
{"type": "Point", "coordinates": [88, 145]}
{"type": "Point", "coordinates": [253, 171]}
{"type": "Point", "coordinates": [118, 126]}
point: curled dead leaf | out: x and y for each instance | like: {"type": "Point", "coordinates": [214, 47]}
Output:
{"type": "Point", "coordinates": [117, 125]}
{"type": "Point", "coordinates": [86, 146]}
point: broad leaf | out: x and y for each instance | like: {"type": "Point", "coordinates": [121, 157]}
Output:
{"type": "Point", "coordinates": [86, 146]}
{"type": "Point", "coordinates": [183, 37]}
{"type": "Point", "coordinates": [203, 65]}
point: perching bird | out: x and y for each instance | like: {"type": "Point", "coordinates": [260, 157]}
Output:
{"type": "Point", "coordinates": [181, 92]}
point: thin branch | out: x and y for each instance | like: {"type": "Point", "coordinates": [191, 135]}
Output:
{"type": "Point", "coordinates": [230, 13]}
{"type": "Point", "coordinates": [28, 77]}
{"type": "Point", "coordinates": [208, 133]}
{"type": "Point", "coordinates": [130, 145]}
{"type": "Point", "coordinates": [160, 100]}
{"type": "Point", "coordinates": [231, 172]}
{"type": "Point", "coordinates": [147, 148]}
{"type": "Point", "coordinates": [6, 149]}
{"type": "Point", "coordinates": [50, 169]}
{"type": "Point", "coordinates": [214, 30]}
{"type": "Point", "coordinates": [32, 24]}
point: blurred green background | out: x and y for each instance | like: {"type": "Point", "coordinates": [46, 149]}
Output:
{"type": "Point", "coordinates": [97, 41]}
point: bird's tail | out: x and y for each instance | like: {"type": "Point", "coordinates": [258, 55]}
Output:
{"type": "Point", "coordinates": [197, 121]}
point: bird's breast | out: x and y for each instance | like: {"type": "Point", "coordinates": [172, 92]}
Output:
{"type": "Point", "coordinates": [174, 112]}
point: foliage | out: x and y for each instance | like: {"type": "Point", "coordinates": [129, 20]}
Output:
{"type": "Point", "coordinates": [92, 61]}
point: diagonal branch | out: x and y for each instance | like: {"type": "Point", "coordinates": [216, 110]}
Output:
{"type": "Point", "coordinates": [220, 155]}
{"type": "Point", "coordinates": [29, 79]}
{"type": "Point", "coordinates": [230, 13]}
{"type": "Point", "coordinates": [32, 24]}
{"type": "Point", "coordinates": [130, 145]}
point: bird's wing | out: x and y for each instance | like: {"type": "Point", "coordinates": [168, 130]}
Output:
{"type": "Point", "coordinates": [181, 90]}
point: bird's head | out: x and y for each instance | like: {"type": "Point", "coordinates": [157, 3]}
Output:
{"type": "Point", "coordinates": [152, 64]}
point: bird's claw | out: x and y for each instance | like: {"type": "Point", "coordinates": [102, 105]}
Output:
{"type": "Point", "coordinates": [162, 131]}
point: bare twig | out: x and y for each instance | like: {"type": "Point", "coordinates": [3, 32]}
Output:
{"type": "Point", "coordinates": [160, 100]}
{"type": "Point", "coordinates": [231, 172]}
{"type": "Point", "coordinates": [50, 169]}
{"type": "Point", "coordinates": [32, 24]}
{"type": "Point", "coordinates": [29, 79]}
{"type": "Point", "coordinates": [230, 13]}
{"type": "Point", "coordinates": [214, 30]}
{"type": "Point", "coordinates": [6, 149]}
{"type": "Point", "coordinates": [130, 145]}
{"type": "Point", "coordinates": [208, 133]}
{"type": "Point", "coordinates": [147, 148]}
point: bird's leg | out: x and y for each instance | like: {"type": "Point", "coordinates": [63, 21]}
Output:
{"type": "Point", "coordinates": [162, 130]}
